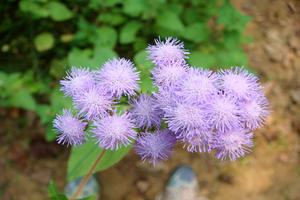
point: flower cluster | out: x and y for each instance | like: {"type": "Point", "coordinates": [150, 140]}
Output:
{"type": "Point", "coordinates": [206, 111]}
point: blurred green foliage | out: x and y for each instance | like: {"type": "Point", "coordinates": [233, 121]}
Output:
{"type": "Point", "coordinates": [41, 39]}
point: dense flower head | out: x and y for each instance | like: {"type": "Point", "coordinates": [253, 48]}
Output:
{"type": "Point", "coordinates": [169, 75]}
{"type": "Point", "coordinates": [205, 110]}
{"type": "Point", "coordinates": [119, 77]}
{"type": "Point", "coordinates": [232, 144]}
{"type": "Point", "coordinates": [222, 112]}
{"type": "Point", "coordinates": [239, 83]}
{"type": "Point", "coordinates": [114, 131]}
{"type": "Point", "coordinates": [166, 52]}
{"type": "Point", "coordinates": [155, 147]}
{"type": "Point", "coordinates": [186, 117]}
{"type": "Point", "coordinates": [198, 85]}
{"type": "Point", "coordinates": [254, 112]}
{"type": "Point", "coordinates": [196, 140]}
{"type": "Point", "coordinates": [146, 112]}
{"type": "Point", "coordinates": [70, 129]}
{"type": "Point", "coordinates": [77, 80]}
{"type": "Point", "coordinates": [93, 103]}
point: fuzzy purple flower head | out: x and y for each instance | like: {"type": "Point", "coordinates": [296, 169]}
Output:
{"type": "Point", "coordinates": [196, 140]}
{"type": "Point", "coordinates": [146, 112]}
{"type": "Point", "coordinates": [70, 129]}
{"type": "Point", "coordinates": [232, 144]}
{"type": "Point", "coordinates": [155, 147]}
{"type": "Point", "coordinates": [166, 52]}
{"type": "Point", "coordinates": [119, 77]}
{"type": "Point", "coordinates": [77, 81]}
{"type": "Point", "coordinates": [114, 131]}
{"type": "Point", "coordinates": [222, 112]}
{"type": "Point", "coordinates": [168, 76]}
{"type": "Point", "coordinates": [186, 117]}
{"type": "Point", "coordinates": [198, 86]}
{"type": "Point", "coordinates": [93, 103]}
{"type": "Point", "coordinates": [239, 83]}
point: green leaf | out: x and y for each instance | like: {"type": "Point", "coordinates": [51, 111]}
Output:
{"type": "Point", "coordinates": [144, 66]}
{"type": "Point", "coordinates": [201, 59]}
{"type": "Point", "coordinates": [54, 194]}
{"type": "Point", "coordinates": [106, 37]}
{"type": "Point", "coordinates": [134, 7]}
{"type": "Point", "coordinates": [80, 57]}
{"type": "Point", "coordinates": [169, 20]}
{"type": "Point", "coordinates": [33, 8]}
{"type": "Point", "coordinates": [231, 18]}
{"type": "Point", "coordinates": [44, 41]}
{"type": "Point", "coordinates": [102, 54]}
{"type": "Point", "coordinates": [89, 58]}
{"type": "Point", "coordinates": [129, 31]}
{"type": "Point", "coordinates": [113, 19]}
{"type": "Point", "coordinates": [23, 99]}
{"type": "Point", "coordinates": [83, 157]}
{"type": "Point", "coordinates": [58, 11]}
{"type": "Point", "coordinates": [196, 32]}
{"type": "Point", "coordinates": [58, 101]}
{"type": "Point", "coordinates": [232, 57]}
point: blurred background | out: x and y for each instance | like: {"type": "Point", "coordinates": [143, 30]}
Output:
{"type": "Point", "coordinates": [41, 39]}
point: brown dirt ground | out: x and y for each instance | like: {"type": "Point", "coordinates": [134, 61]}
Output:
{"type": "Point", "coordinates": [272, 171]}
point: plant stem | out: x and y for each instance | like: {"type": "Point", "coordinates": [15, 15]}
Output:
{"type": "Point", "coordinates": [86, 178]}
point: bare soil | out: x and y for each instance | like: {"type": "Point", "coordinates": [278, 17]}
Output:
{"type": "Point", "coordinates": [271, 172]}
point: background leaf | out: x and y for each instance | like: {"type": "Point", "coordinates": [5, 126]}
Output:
{"type": "Point", "coordinates": [83, 157]}
{"type": "Point", "coordinates": [54, 194]}
{"type": "Point", "coordinates": [44, 41]}
{"type": "Point", "coordinates": [129, 31]}
{"type": "Point", "coordinates": [58, 11]}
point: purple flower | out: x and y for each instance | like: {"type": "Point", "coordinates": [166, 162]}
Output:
{"type": "Point", "coordinates": [70, 129]}
{"type": "Point", "coordinates": [166, 99]}
{"type": "Point", "coordinates": [166, 52]}
{"type": "Point", "coordinates": [254, 112]}
{"type": "Point", "coordinates": [113, 132]}
{"type": "Point", "coordinates": [198, 85]}
{"type": "Point", "coordinates": [186, 117]}
{"type": "Point", "coordinates": [155, 147]}
{"type": "Point", "coordinates": [145, 112]}
{"type": "Point", "coordinates": [93, 103]}
{"type": "Point", "coordinates": [76, 81]}
{"type": "Point", "coordinates": [169, 75]}
{"type": "Point", "coordinates": [196, 140]}
{"type": "Point", "coordinates": [239, 83]}
{"type": "Point", "coordinates": [222, 112]}
{"type": "Point", "coordinates": [119, 77]}
{"type": "Point", "coordinates": [232, 144]}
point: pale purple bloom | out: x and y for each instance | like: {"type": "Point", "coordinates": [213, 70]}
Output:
{"type": "Point", "coordinates": [146, 112]}
{"type": "Point", "coordinates": [196, 140]}
{"type": "Point", "coordinates": [166, 52]}
{"type": "Point", "coordinates": [76, 81]}
{"type": "Point", "coordinates": [169, 75]}
{"type": "Point", "coordinates": [254, 111]}
{"type": "Point", "coordinates": [114, 131]}
{"type": "Point", "coordinates": [119, 77]}
{"type": "Point", "coordinates": [70, 129]}
{"type": "Point", "coordinates": [232, 144]}
{"type": "Point", "coordinates": [186, 117]}
{"type": "Point", "coordinates": [198, 85]}
{"type": "Point", "coordinates": [239, 83]}
{"type": "Point", "coordinates": [167, 99]}
{"type": "Point", "coordinates": [222, 112]}
{"type": "Point", "coordinates": [155, 147]}
{"type": "Point", "coordinates": [93, 103]}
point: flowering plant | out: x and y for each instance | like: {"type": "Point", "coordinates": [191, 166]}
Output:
{"type": "Point", "coordinates": [206, 111]}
